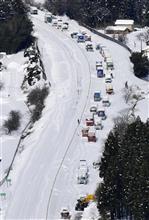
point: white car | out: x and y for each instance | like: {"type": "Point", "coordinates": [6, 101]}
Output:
{"type": "Point", "coordinates": [108, 79]}
{"type": "Point", "coordinates": [105, 101]}
{"type": "Point", "coordinates": [65, 214]}
{"type": "Point", "coordinates": [89, 47]}
{"type": "Point", "coordinates": [93, 109]}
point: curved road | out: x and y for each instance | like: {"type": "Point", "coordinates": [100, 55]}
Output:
{"type": "Point", "coordinates": [68, 71]}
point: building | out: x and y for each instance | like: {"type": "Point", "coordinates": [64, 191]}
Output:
{"type": "Point", "coordinates": [117, 30]}
{"type": "Point", "coordinates": [129, 24]}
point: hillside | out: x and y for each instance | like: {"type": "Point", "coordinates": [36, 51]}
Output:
{"type": "Point", "coordinates": [101, 12]}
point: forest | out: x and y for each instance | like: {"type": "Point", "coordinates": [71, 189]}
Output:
{"type": "Point", "coordinates": [97, 13]}
{"type": "Point", "coordinates": [15, 27]}
{"type": "Point", "coordinates": [124, 169]}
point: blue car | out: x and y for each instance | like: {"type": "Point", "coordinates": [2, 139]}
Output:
{"type": "Point", "coordinates": [97, 96]}
{"type": "Point", "coordinates": [100, 72]}
{"type": "Point", "coordinates": [80, 38]}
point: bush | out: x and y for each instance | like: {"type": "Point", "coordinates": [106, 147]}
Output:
{"type": "Point", "coordinates": [13, 121]}
{"type": "Point", "coordinates": [141, 64]}
{"type": "Point", "coordinates": [122, 39]}
{"type": "Point", "coordinates": [37, 98]}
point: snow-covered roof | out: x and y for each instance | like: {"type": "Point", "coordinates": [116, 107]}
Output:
{"type": "Point", "coordinates": [116, 28]}
{"type": "Point", "coordinates": [146, 49]}
{"type": "Point", "coordinates": [124, 22]}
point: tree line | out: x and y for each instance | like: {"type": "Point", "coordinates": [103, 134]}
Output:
{"type": "Point", "coordinates": [124, 169]}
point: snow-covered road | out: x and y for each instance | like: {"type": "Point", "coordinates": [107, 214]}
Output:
{"type": "Point", "coordinates": [49, 164]}
{"type": "Point", "coordinates": [69, 73]}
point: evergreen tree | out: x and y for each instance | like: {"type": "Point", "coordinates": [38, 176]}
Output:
{"type": "Point", "coordinates": [15, 27]}
{"type": "Point", "coordinates": [124, 168]}
{"type": "Point", "coordinates": [141, 64]}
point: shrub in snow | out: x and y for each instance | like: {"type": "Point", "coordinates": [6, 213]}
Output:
{"type": "Point", "coordinates": [13, 122]}
{"type": "Point", "coordinates": [141, 64]}
{"type": "Point", "coordinates": [37, 97]}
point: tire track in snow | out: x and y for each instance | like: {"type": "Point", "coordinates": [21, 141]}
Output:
{"type": "Point", "coordinates": [75, 132]}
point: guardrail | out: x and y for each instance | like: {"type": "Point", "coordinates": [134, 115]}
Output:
{"type": "Point", "coordinates": [16, 151]}
{"type": "Point", "coordinates": [107, 37]}
{"type": "Point", "coordinates": [24, 130]}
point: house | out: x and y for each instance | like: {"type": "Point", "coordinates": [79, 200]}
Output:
{"type": "Point", "coordinates": [117, 30]}
{"type": "Point", "coordinates": [2, 55]}
{"type": "Point", "coordinates": [33, 10]}
{"type": "Point", "coordinates": [129, 24]}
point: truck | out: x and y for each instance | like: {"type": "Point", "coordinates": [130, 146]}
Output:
{"type": "Point", "coordinates": [89, 120]}
{"type": "Point", "coordinates": [85, 131]}
{"type": "Point", "coordinates": [97, 122]}
{"type": "Point", "coordinates": [83, 172]}
{"type": "Point", "coordinates": [59, 24]}
{"type": "Point", "coordinates": [92, 135]}
{"type": "Point", "coordinates": [109, 88]}
{"type": "Point", "coordinates": [109, 64]}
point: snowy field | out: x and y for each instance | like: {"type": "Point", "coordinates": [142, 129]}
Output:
{"type": "Point", "coordinates": [44, 178]}
{"type": "Point", "coordinates": [134, 42]}
{"type": "Point", "coordinates": [11, 98]}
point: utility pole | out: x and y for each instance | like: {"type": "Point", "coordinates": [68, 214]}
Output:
{"type": "Point", "coordinates": [141, 39]}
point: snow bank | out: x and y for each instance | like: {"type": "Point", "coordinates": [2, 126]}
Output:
{"type": "Point", "coordinates": [91, 212]}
